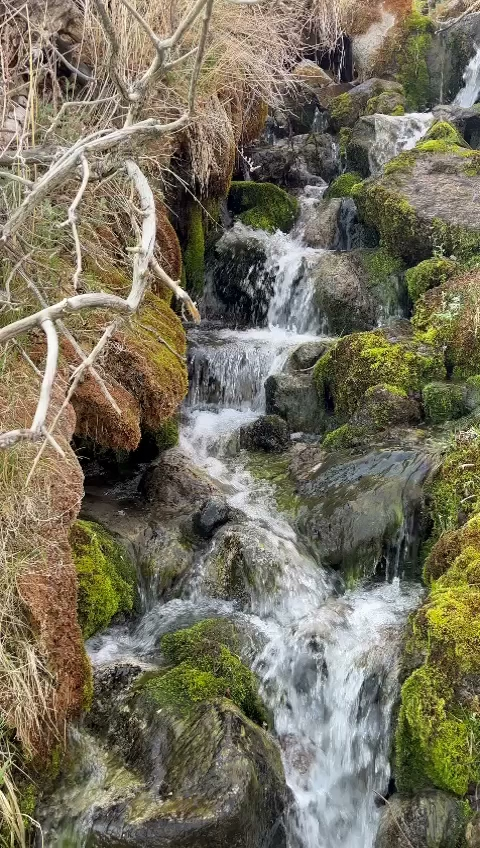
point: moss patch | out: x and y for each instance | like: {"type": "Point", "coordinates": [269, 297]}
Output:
{"type": "Point", "coordinates": [443, 402]}
{"type": "Point", "coordinates": [386, 103]}
{"type": "Point", "coordinates": [342, 186]}
{"type": "Point", "coordinates": [194, 251]}
{"type": "Point", "coordinates": [263, 206]}
{"type": "Point", "coordinates": [345, 437]}
{"type": "Point", "coordinates": [167, 435]}
{"type": "Point", "coordinates": [428, 274]}
{"type": "Point", "coordinates": [455, 492]}
{"type": "Point", "coordinates": [412, 43]}
{"type": "Point", "coordinates": [106, 576]}
{"type": "Point", "coordinates": [204, 666]}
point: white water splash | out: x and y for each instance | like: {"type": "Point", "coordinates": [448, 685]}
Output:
{"type": "Point", "coordinates": [468, 95]}
{"type": "Point", "coordinates": [393, 134]}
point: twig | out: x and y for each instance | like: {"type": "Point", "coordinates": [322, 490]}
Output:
{"type": "Point", "coordinates": [83, 77]}
{"type": "Point", "coordinates": [72, 219]}
{"type": "Point", "coordinates": [7, 175]}
{"type": "Point", "coordinates": [200, 56]}
{"type": "Point", "coordinates": [163, 341]}
{"type": "Point", "coordinates": [175, 287]}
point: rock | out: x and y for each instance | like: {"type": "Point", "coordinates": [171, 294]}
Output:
{"type": "Point", "coordinates": [239, 285]}
{"type": "Point", "coordinates": [306, 355]}
{"type": "Point", "coordinates": [385, 406]}
{"type": "Point", "coordinates": [321, 229]}
{"type": "Point", "coordinates": [310, 159]}
{"type": "Point", "coordinates": [165, 557]}
{"type": "Point", "coordinates": [354, 507]}
{"type": "Point", "coordinates": [242, 559]}
{"type": "Point", "coordinates": [174, 485]}
{"type": "Point", "coordinates": [357, 290]}
{"type": "Point", "coordinates": [311, 75]}
{"type": "Point", "coordinates": [444, 402]}
{"type": "Point", "coordinates": [429, 274]}
{"type": "Point", "coordinates": [347, 108]}
{"type": "Point", "coordinates": [268, 433]}
{"type": "Point", "coordinates": [449, 54]}
{"type": "Point", "coordinates": [472, 833]}
{"type": "Point", "coordinates": [214, 513]}
{"type": "Point", "coordinates": [435, 819]}
{"type": "Point", "coordinates": [466, 121]}
{"type": "Point", "coordinates": [425, 197]}
{"type": "Point", "coordinates": [294, 398]}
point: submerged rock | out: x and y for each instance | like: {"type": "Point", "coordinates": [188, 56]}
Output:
{"type": "Point", "coordinates": [243, 560]}
{"type": "Point", "coordinates": [174, 485]}
{"type": "Point", "coordinates": [435, 819]}
{"type": "Point", "coordinates": [214, 513]}
{"type": "Point", "coordinates": [269, 433]}
{"type": "Point", "coordinates": [294, 398]}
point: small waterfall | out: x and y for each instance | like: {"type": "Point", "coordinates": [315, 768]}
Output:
{"type": "Point", "coordinates": [394, 134]}
{"type": "Point", "coordinates": [468, 95]}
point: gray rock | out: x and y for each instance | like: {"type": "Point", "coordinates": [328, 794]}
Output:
{"type": "Point", "coordinates": [165, 557]}
{"type": "Point", "coordinates": [306, 355]}
{"type": "Point", "coordinates": [174, 486]}
{"type": "Point", "coordinates": [294, 398]}
{"type": "Point", "coordinates": [310, 159]}
{"type": "Point", "coordinates": [355, 506]}
{"type": "Point", "coordinates": [321, 229]}
{"type": "Point", "coordinates": [451, 50]}
{"type": "Point", "coordinates": [268, 433]}
{"type": "Point", "coordinates": [359, 96]}
{"type": "Point", "coordinates": [214, 513]}
{"type": "Point", "coordinates": [435, 819]}
{"type": "Point", "coordinates": [466, 121]}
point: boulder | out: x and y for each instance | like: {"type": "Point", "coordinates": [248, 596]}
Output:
{"type": "Point", "coordinates": [238, 283]}
{"type": "Point", "coordinates": [450, 51]}
{"type": "Point", "coordinates": [426, 197]}
{"type": "Point", "coordinates": [444, 401]}
{"type": "Point", "coordinates": [354, 507]}
{"type": "Point", "coordinates": [306, 355]}
{"type": "Point", "coordinates": [263, 206]}
{"type": "Point", "coordinates": [294, 398]}
{"type": "Point", "coordinates": [311, 75]}
{"type": "Point", "coordinates": [466, 121]}
{"type": "Point", "coordinates": [174, 486]}
{"type": "Point", "coordinates": [243, 561]}
{"type": "Point", "coordinates": [357, 290]}
{"type": "Point", "coordinates": [214, 513]}
{"type": "Point", "coordinates": [385, 406]}
{"type": "Point", "coordinates": [435, 819]}
{"type": "Point", "coordinates": [268, 433]}
{"type": "Point", "coordinates": [310, 159]}
{"type": "Point", "coordinates": [165, 556]}
{"type": "Point", "coordinates": [347, 108]}
{"type": "Point", "coordinates": [321, 228]}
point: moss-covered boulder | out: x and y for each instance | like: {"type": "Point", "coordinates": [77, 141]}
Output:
{"type": "Point", "coordinates": [347, 108]}
{"type": "Point", "coordinates": [444, 402]}
{"type": "Point", "coordinates": [387, 103]}
{"type": "Point", "coordinates": [357, 290]}
{"type": "Point", "coordinates": [194, 250]}
{"type": "Point", "coordinates": [242, 564]}
{"type": "Point", "coordinates": [449, 314]}
{"type": "Point", "coordinates": [429, 274]}
{"type": "Point", "coordinates": [394, 356]}
{"type": "Point", "coordinates": [455, 492]}
{"type": "Point", "coordinates": [293, 396]}
{"type": "Point", "coordinates": [174, 486]}
{"type": "Point", "coordinates": [342, 186]}
{"type": "Point", "coordinates": [405, 55]}
{"type": "Point", "coordinates": [425, 201]}
{"type": "Point", "coordinates": [106, 576]}
{"type": "Point", "coordinates": [386, 406]}
{"type": "Point", "coordinates": [263, 206]}
{"type": "Point", "coordinates": [449, 551]}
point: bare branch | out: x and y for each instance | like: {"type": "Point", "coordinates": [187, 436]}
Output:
{"type": "Point", "coordinates": [200, 56]}
{"type": "Point", "coordinates": [70, 103]}
{"type": "Point", "coordinates": [49, 375]}
{"type": "Point", "coordinates": [144, 252]}
{"type": "Point", "coordinates": [72, 219]}
{"type": "Point", "coordinates": [7, 175]}
{"type": "Point", "coordinates": [80, 74]}
{"type": "Point", "coordinates": [111, 37]}
{"type": "Point", "coordinates": [179, 293]}
{"type": "Point", "coordinates": [173, 64]}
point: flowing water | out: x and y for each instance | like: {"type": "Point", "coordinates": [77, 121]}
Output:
{"type": "Point", "coordinates": [329, 662]}
{"type": "Point", "coordinates": [468, 95]}
{"type": "Point", "coordinates": [394, 134]}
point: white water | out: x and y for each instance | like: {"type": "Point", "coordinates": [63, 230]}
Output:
{"type": "Point", "coordinates": [329, 665]}
{"type": "Point", "coordinates": [468, 95]}
{"type": "Point", "coordinates": [394, 134]}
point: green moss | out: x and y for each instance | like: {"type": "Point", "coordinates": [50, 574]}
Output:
{"type": "Point", "coordinates": [345, 437]}
{"type": "Point", "coordinates": [205, 666]}
{"type": "Point", "coordinates": [342, 186]}
{"type": "Point", "coordinates": [381, 266]}
{"type": "Point", "coordinates": [444, 131]}
{"type": "Point", "coordinates": [263, 206]}
{"type": "Point", "coordinates": [342, 110]}
{"type": "Point", "coordinates": [364, 360]}
{"type": "Point", "coordinates": [443, 402]}
{"type": "Point", "coordinates": [386, 103]}
{"type": "Point", "coordinates": [106, 576]}
{"type": "Point", "coordinates": [455, 492]}
{"type": "Point", "coordinates": [345, 136]}
{"type": "Point", "coordinates": [402, 163]}
{"type": "Point", "coordinates": [194, 251]}
{"type": "Point", "coordinates": [167, 435]}
{"type": "Point", "coordinates": [428, 274]}
{"type": "Point", "coordinates": [412, 68]}
{"type": "Point", "coordinates": [396, 220]}
{"type": "Point", "coordinates": [275, 470]}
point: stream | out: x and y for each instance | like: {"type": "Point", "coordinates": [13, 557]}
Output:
{"type": "Point", "coordinates": [329, 657]}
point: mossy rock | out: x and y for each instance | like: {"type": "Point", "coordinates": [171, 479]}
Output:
{"type": "Point", "coordinates": [263, 206]}
{"type": "Point", "coordinates": [425, 202]}
{"type": "Point", "coordinates": [242, 562]}
{"type": "Point", "coordinates": [443, 402]}
{"type": "Point", "coordinates": [429, 274]}
{"type": "Point", "coordinates": [364, 360]}
{"type": "Point", "coordinates": [345, 437]}
{"type": "Point", "coordinates": [204, 664]}
{"type": "Point", "coordinates": [387, 103]}
{"type": "Point", "coordinates": [405, 54]}
{"type": "Point", "coordinates": [343, 185]}
{"type": "Point", "coordinates": [449, 314]}
{"type": "Point", "coordinates": [106, 576]}
{"type": "Point", "coordinates": [455, 491]}
{"type": "Point", "coordinates": [347, 108]}
{"type": "Point", "coordinates": [167, 435]}
{"type": "Point", "coordinates": [448, 549]}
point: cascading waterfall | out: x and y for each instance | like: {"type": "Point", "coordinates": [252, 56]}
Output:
{"type": "Point", "coordinates": [328, 659]}
{"type": "Point", "coordinates": [468, 95]}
